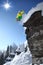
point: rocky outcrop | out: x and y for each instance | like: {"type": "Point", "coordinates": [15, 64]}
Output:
{"type": "Point", "coordinates": [34, 36]}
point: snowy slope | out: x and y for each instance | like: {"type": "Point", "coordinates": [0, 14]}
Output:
{"type": "Point", "coordinates": [22, 59]}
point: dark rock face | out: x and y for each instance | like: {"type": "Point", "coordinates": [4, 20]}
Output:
{"type": "Point", "coordinates": [34, 36]}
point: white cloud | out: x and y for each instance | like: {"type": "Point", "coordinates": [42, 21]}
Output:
{"type": "Point", "coordinates": [37, 8]}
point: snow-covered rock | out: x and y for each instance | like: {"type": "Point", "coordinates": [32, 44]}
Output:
{"type": "Point", "coordinates": [32, 10]}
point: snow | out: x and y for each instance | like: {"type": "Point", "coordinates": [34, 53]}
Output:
{"type": "Point", "coordinates": [20, 48]}
{"type": "Point", "coordinates": [25, 43]}
{"type": "Point", "coordinates": [8, 63]}
{"type": "Point", "coordinates": [8, 58]}
{"type": "Point", "coordinates": [22, 59]}
{"type": "Point", "coordinates": [28, 15]}
{"type": "Point", "coordinates": [14, 47]}
{"type": "Point", "coordinates": [12, 53]}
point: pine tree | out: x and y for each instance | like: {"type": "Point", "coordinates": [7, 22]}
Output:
{"type": "Point", "coordinates": [7, 52]}
{"type": "Point", "coordinates": [2, 59]}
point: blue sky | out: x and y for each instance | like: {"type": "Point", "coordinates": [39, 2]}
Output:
{"type": "Point", "coordinates": [11, 30]}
